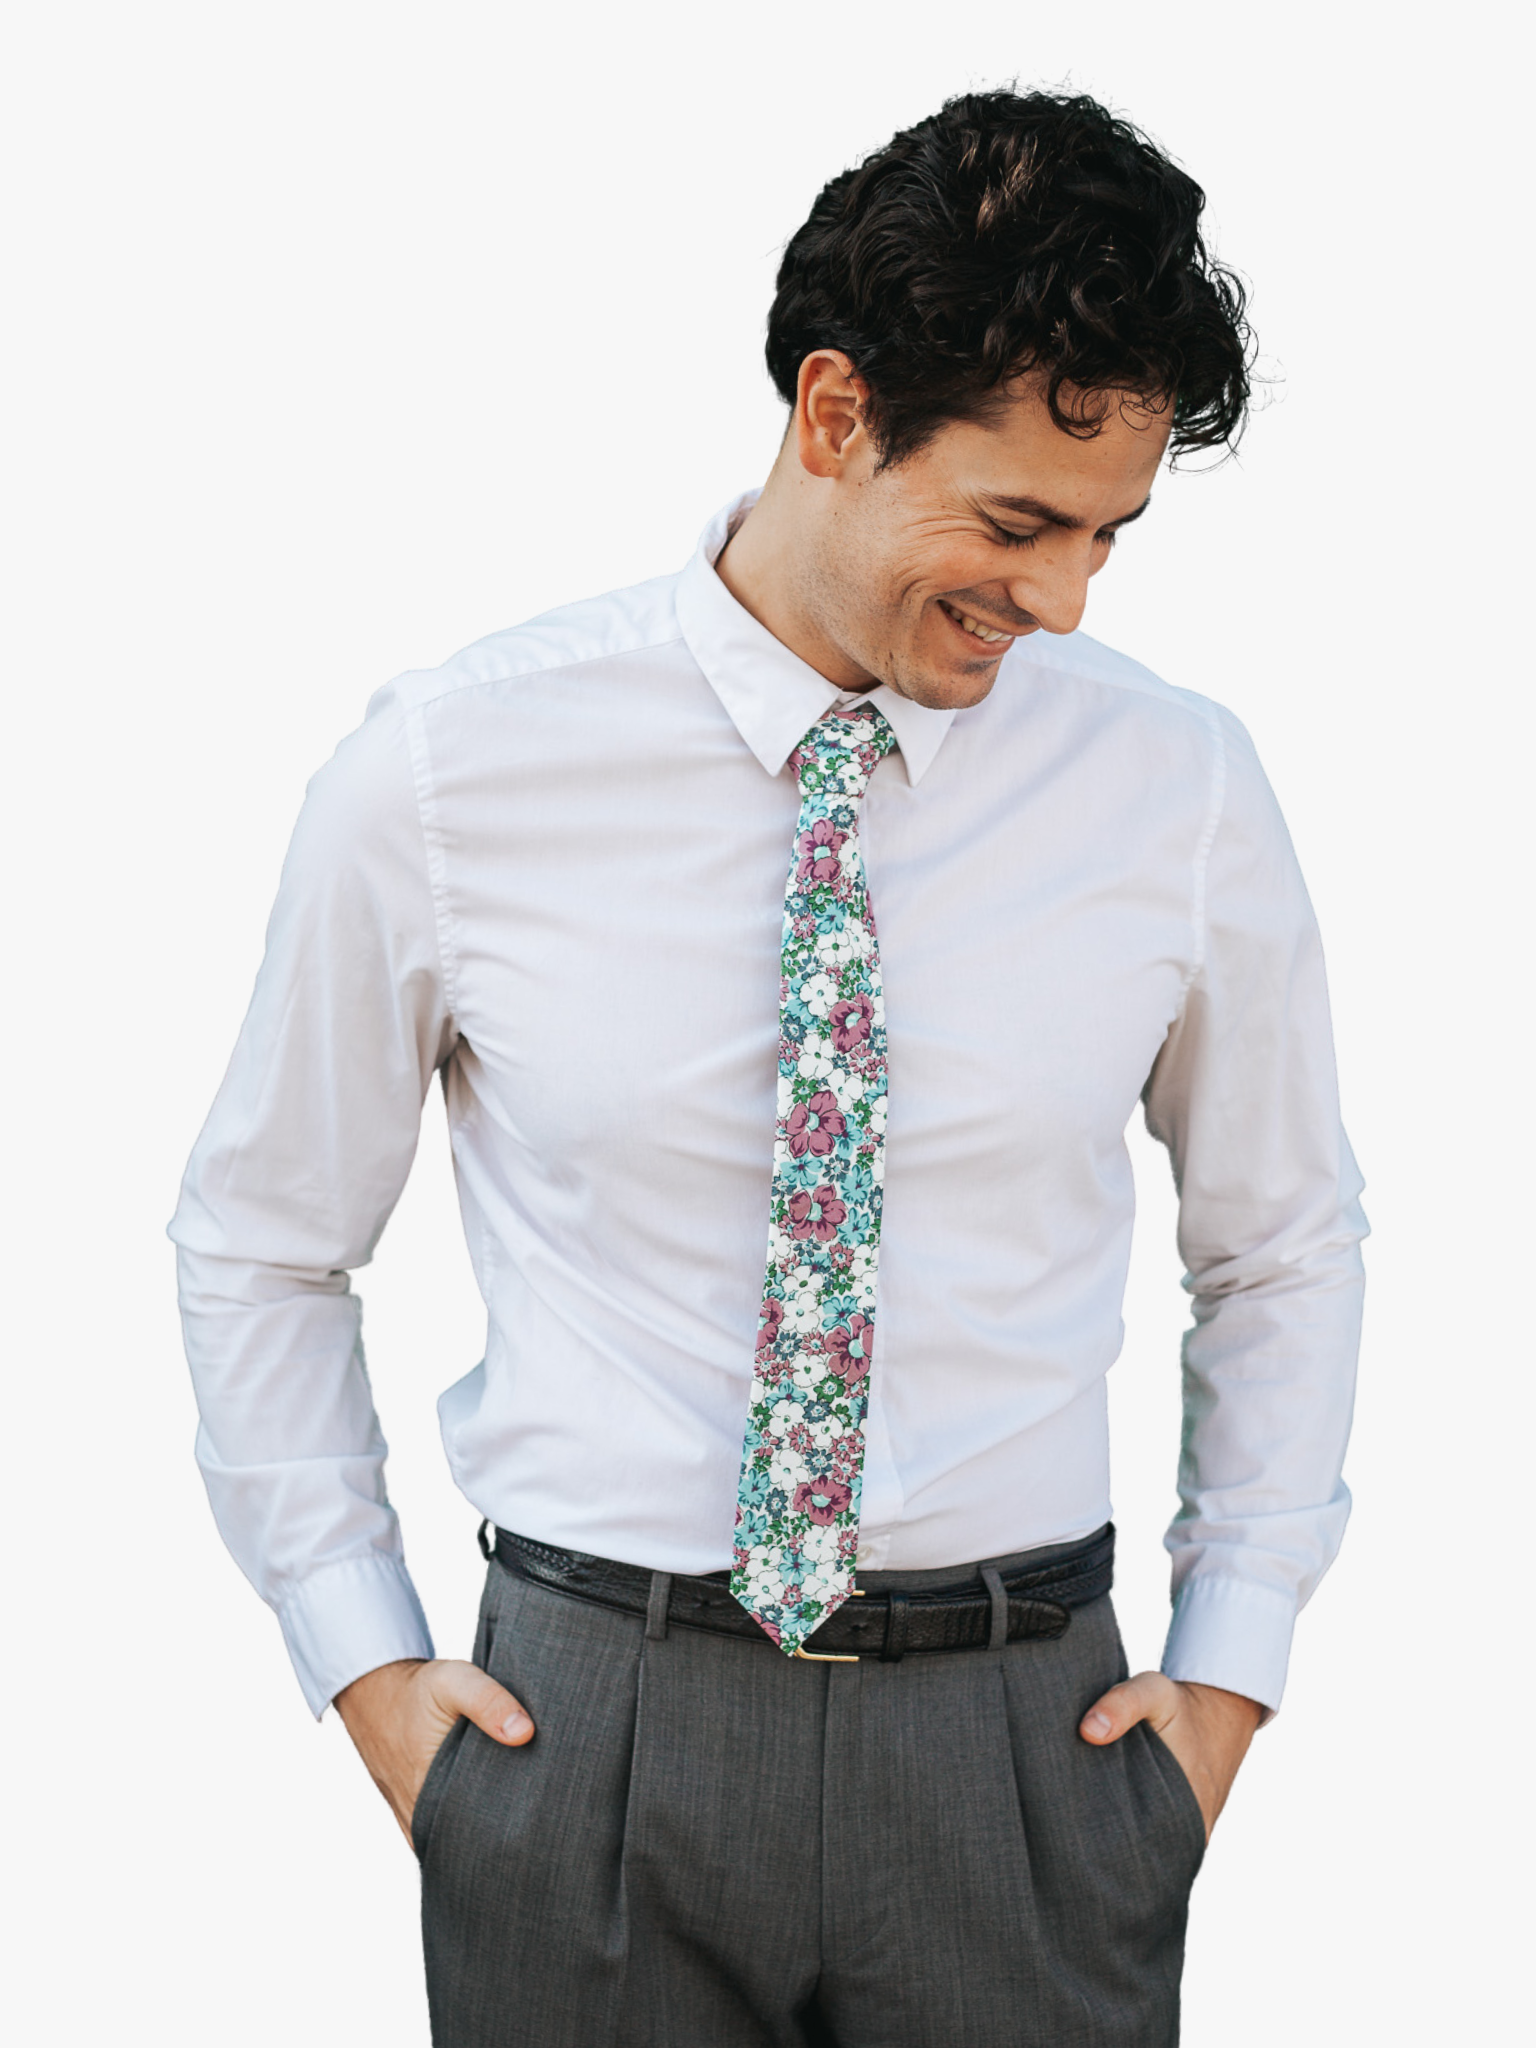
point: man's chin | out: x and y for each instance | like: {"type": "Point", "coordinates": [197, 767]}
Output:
{"type": "Point", "coordinates": [954, 691]}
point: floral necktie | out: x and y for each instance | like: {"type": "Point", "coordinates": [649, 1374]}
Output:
{"type": "Point", "coordinates": [797, 1514]}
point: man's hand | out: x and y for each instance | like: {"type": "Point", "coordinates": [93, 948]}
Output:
{"type": "Point", "coordinates": [1207, 1729]}
{"type": "Point", "coordinates": [399, 1716]}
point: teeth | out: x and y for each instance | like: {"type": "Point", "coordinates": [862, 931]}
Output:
{"type": "Point", "coordinates": [974, 625]}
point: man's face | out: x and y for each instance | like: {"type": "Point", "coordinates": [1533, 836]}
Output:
{"type": "Point", "coordinates": [928, 571]}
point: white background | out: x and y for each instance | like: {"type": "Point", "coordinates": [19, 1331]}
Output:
{"type": "Point", "coordinates": [340, 335]}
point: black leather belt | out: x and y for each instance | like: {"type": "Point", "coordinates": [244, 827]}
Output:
{"type": "Point", "coordinates": [1014, 1607]}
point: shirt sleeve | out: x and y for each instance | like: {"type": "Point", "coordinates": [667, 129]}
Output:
{"type": "Point", "coordinates": [1245, 1097]}
{"type": "Point", "coordinates": [289, 1187]}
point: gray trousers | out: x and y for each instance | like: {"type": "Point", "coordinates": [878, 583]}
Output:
{"type": "Point", "coordinates": [709, 1845]}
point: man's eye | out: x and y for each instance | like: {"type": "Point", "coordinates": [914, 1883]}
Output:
{"type": "Point", "coordinates": [1108, 538]}
{"type": "Point", "coordinates": [1014, 540]}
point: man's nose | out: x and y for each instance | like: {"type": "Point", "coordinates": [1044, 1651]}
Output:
{"type": "Point", "coordinates": [1056, 591]}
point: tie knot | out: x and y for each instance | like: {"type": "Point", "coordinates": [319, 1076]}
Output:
{"type": "Point", "coordinates": [839, 753]}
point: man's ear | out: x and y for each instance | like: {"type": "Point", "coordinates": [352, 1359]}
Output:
{"type": "Point", "coordinates": [829, 424]}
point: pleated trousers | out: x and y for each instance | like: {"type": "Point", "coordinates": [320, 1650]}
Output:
{"type": "Point", "coordinates": [710, 1845]}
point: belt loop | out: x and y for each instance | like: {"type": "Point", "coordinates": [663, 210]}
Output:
{"type": "Point", "coordinates": [991, 1578]}
{"type": "Point", "coordinates": [893, 1649]}
{"type": "Point", "coordinates": [656, 1607]}
{"type": "Point", "coordinates": [487, 1549]}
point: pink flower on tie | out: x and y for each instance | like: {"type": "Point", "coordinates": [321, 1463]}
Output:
{"type": "Point", "coordinates": [850, 1350]}
{"type": "Point", "coordinates": [822, 1499]}
{"type": "Point", "coordinates": [814, 1126]}
{"type": "Point", "coordinates": [818, 852]}
{"type": "Point", "coordinates": [850, 1021]}
{"type": "Point", "coordinates": [772, 1314]}
{"type": "Point", "coordinates": [816, 1215]}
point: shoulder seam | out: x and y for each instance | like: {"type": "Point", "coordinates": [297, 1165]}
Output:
{"type": "Point", "coordinates": [517, 675]}
{"type": "Point", "coordinates": [1207, 840]}
{"type": "Point", "coordinates": [437, 860]}
{"type": "Point", "coordinates": [1189, 701]}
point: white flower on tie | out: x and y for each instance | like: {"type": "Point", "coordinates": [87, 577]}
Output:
{"type": "Point", "coordinates": [818, 995]}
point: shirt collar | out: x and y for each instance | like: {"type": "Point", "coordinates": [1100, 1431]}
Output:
{"type": "Point", "coordinates": [772, 696]}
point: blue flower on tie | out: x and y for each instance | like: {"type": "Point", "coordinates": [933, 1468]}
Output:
{"type": "Point", "coordinates": [755, 1485]}
{"type": "Point", "coordinates": [855, 1227]}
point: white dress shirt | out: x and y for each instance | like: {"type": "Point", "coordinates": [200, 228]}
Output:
{"type": "Point", "coordinates": [554, 871]}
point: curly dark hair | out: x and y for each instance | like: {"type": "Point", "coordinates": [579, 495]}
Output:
{"type": "Point", "coordinates": [1011, 233]}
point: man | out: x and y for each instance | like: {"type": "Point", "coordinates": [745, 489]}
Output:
{"type": "Point", "coordinates": [794, 937]}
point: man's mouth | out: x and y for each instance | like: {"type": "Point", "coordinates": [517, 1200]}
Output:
{"type": "Point", "coordinates": [989, 636]}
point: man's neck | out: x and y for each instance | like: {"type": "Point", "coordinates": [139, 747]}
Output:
{"type": "Point", "coordinates": [760, 565]}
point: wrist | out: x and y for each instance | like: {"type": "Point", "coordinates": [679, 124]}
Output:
{"type": "Point", "coordinates": [384, 1681]}
{"type": "Point", "coordinates": [1235, 1707]}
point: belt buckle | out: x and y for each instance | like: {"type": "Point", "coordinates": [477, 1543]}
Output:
{"type": "Point", "coordinates": [821, 1656]}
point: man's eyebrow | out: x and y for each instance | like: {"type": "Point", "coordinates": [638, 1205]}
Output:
{"type": "Point", "coordinates": [1036, 508]}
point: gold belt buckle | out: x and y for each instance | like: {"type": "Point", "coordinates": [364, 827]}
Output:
{"type": "Point", "coordinates": [819, 1656]}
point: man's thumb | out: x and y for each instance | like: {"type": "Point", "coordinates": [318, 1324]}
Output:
{"type": "Point", "coordinates": [466, 1689]}
{"type": "Point", "coordinates": [1146, 1697]}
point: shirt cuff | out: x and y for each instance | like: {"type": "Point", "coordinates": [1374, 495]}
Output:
{"type": "Point", "coordinates": [1232, 1633]}
{"type": "Point", "coordinates": [348, 1618]}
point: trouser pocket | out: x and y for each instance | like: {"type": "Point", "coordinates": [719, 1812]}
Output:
{"type": "Point", "coordinates": [1187, 1819]}
{"type": "Point", "coordinates": [434, 1787]}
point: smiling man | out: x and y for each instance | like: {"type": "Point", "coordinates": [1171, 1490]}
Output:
{"type": "Point", "coordinates": [795, 937]}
